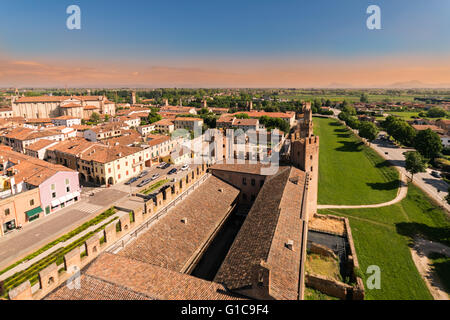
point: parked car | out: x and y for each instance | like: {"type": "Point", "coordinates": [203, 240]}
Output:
{"type": "Point", "coordinates": [165, 166]}
{"type": "Point", "coordinates": [131, 181]}
{"type": "Point", "coordinates": [172, 171]}
{"type": "Point", "coordinates": [142, 174]}
{"type": "Point", "coordinates": [435, 174]}
{"type": "Point", "coordinates": [161, 165]}
{"type": "Point", "coordinates": [144, 182]}
{"type": "Point", "coordinates": [155, 176]}
{"type": "Point", "coordinates": [184, 167]}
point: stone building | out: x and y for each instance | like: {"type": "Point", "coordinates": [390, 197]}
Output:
{"type": "Point", "coordinates": [55, 106]}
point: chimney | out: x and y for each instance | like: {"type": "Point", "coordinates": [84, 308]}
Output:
{"type": "Point", "coordinates": [290, 244]}
{"type": "Point", "coordinates": [184, 220]}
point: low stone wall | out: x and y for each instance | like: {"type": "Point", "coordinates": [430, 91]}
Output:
{"type": "Point", "coordinates": [328, 286]}
{"type": "Point", "coordinates": [355, 292]}
{"type": "Point", "coordinates": [321, 250]}
{"type": "Point", "coordinates": [51, 276]}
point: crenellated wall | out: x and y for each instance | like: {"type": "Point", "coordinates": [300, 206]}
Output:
{"type": "Point", "coordinates": [54, 275]}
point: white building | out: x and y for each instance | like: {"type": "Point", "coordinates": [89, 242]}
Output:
{"type": "Point", "coordinates": [66, 121]}
{"type": "Point", "coordinates": [147, 129]}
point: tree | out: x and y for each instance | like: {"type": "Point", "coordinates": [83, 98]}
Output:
{"type": "Point", "coordinates": [153, 117]}
{"type": "Point", "coordinates": [106, 117]}
{"type": "Point", "coordinates": [368, 130]}
{"type": "Point", "coordinates": [353, 123]}
{"type": "Point", "coordinates": [414, 163]}
{"type": "Point", "coordinates": [95, 117]}
{"type": "Point", "coordinates": [364, 98]}
{"type": "Point", "coordinates": [436, 112]}
{"type": "Point", "coordinates": [428, 143]}
{"type": "Point", "coordinates": [242, 116]}
{"type": "Point", "coordinates": [349, 109]}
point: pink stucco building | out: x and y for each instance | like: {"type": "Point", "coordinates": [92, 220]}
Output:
{"type": "Point", "coordinates": [60, 190]}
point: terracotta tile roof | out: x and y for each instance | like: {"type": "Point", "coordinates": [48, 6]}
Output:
{"type": "Point", "coordinates": [91, 107]}
{"type": "Point", "coordinates": [71, 105]}
{"type": "Point", "coordinates": [22, 133]}
{"type": "Point", "coordinates": [245, 122]}
{"type": "Point", "coordinates": [31, 170]}
{"type": "Point", "coordinates": [420, 127]}
{"type": "Point", "coordinates": [257, 114]}
{"type": "Point", "coordinates": [7, 154]}
{"type": "Point", "coordinates": [81, 127]}
{"type": "Point", "coordinates": [119, 278]}
{"type": "Point", "coordinates": [5, 109]}
{"type": "Point", "coordinates": [158, 140]}
{"type": "Point", "coordinates": [176, 109]}
{"type": "Point", "coordinates": [187, 119]}
{"type": "Point", "coordinates": [66, 118]}
{"type": "Point", "coordinates": [163, 122]}
{"type": "Point", "coordinates": [273, 220]}
{"type": "Point", "coordinates": [41, 120]}
{"type": "Point", "coordinates": [42, 99]}
{"type": "Point", "coordinates": [106, 127]}
{"type": "Point", "coordinates": [92, 288]}
{"type": "Point", "coordinates": [125, 140]}
{"type": "Point", "coordinates": [40, 144]}
{"type": "Point", "coordinates": [170, 243]}
{"type": "Point", "coordinates": [104, 154]}
{"type": "Point", "coordinates": [72, 146]}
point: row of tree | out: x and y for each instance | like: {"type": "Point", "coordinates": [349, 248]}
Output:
{"type": "Point", "coordinates": [426, 142]}
{"type": "Point", "coordinates": [366, 129]}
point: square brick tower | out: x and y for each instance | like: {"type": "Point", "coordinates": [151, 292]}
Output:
{"type": "Point", "coordinates": [305, 155]}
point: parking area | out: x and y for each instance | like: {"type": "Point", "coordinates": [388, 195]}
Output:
{"type": "Point", "coordinates": [162, 174]}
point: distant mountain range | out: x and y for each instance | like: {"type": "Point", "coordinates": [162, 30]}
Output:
{"type": "Point", "coordinates": [413, 84]}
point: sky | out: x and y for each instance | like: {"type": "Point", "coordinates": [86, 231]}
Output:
{"type": "Point", "coordinates": [245, 43]}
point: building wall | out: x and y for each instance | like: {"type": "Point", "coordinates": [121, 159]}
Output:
{"type": "Point", "coordinates": [6, 114]}
{"type": "Point", "coordinates": [18, 205]}
{"type": "Point", "coordinates": [248, 183]}
{"type": "Point", "coordinates": [60, 188]}
{"type": "Point", "coordinates": [66, 122]}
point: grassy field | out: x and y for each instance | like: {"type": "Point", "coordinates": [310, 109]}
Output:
{"type": "Point", "coordinates": [349, 98]}
{"type": "Point", "coordinates": [382, 237]}
{"type": "Point", "coordinates": [406, 115]}
{"type": "Point", "coordinates": [350, 172]}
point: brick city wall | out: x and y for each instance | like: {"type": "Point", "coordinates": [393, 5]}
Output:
{"type": "Point", "coordinates": [54, 275]}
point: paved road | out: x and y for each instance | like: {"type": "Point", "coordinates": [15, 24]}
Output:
{"type": "Point", "coordinates": [434, 187]}
{"type": "Point", "coordinates": [36, 234]}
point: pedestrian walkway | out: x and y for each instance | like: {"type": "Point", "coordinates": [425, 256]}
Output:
{"type": "Point", "coordinates": [89, 207]}
{"type": "Point", "coordinates": [401, 194]}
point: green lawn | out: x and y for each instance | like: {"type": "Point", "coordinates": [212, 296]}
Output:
{"type": "Point", "coordinates": [155, 186]}
{"type": "Point", "coordinates": [382, 236]}
{"type": "Point", "coordinates": [350, 172]}
{"type": "Point", "coordinates": [405, 115]}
